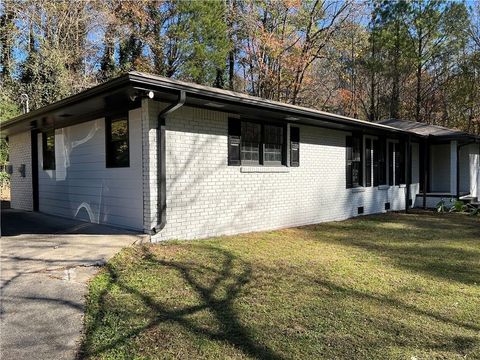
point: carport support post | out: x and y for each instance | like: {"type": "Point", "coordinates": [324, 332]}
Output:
{"type": "Point", "coordinates": [408, 172]}
{"type": "Point", "coordinates": [426, 171]}
{"type": "Point", "coordinates": [453, 168]}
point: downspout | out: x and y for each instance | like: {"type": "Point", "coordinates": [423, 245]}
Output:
{"type": "Point", "coordinates": [161, 168]}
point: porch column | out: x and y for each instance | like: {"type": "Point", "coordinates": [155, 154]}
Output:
{"type": "Point", "coordinates": [453, 167]}
{"type": "Point", "coordinates": [426, 171]}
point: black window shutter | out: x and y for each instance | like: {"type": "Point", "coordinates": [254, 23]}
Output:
{"type": "Point", "coordinates": [349, 154]}
{"type": "Point", "coordinates": [294, 146]}
{"type": "Point", "coordinates": [234, 138]}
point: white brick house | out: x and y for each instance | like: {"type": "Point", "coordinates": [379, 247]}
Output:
{"type": "Point", "coordinates": [182, 161]}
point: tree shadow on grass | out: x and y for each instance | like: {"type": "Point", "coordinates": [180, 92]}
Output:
{"type": "Point", "coordinates": [417, 248]}
{"type": "Point", "coordinates": [395, 303]}
{"type": "Point", "coordinates": [233, 275]}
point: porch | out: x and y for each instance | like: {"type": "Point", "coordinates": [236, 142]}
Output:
{"type": "Point", "coordinates": [449, 170]}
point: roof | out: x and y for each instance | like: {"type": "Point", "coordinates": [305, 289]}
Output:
{"type": "Point", "coordinates": [113, 94]}
{"type": "Point", "coordinates": [426, 129]}
{"type": "Point", "coordinates": [245, 98]}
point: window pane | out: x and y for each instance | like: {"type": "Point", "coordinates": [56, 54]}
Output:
{"type": "Point", "coordinates": [49, 150]}
{"type": "Point", "coordinates": [273, 152]}
{"type": "Point", "coordinates": [251, 132]}
{"type": "Point", "coordinates": [368, 162]}
{"type": "Point", "coordinates": [120, 153]}
{"type": "Point", "coordinates": [273, 134]}
{"type": "Point", "coordinates": [356, 173]}
{"type": "Point", "coordinates": [273, 143]}
{"type": "Point", "coordinates": [357, 149]}
{"type": "Point", "coordinates": [391, 152]}
{"type": "Point", "coordinates": [250, 147]}
{"type": "Point", "coordinates": [117, 142]}
{"type": "Point", "coordinates": [119, 129]}
{"type": "Point", "coordinates": [250, 151]}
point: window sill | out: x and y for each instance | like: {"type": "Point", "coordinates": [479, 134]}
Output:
{"type": "Point", "coordinates": [358, 189]}
{"type": "Point", "coordinates": [383, 187]}
{"type": "Point", "coordinates": [264, 169]}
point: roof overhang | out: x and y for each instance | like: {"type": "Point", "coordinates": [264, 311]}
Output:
{"type": "Point", "coordinates": [432, 133]}
{"type": "Point", "coordinates": [124, 93]}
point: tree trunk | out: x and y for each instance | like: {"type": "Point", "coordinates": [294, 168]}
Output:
{"type": "Point", "coordinates": [6, 41]}
{"type": "Point", "coordinates": [418, 98]}
{"type": "Point", "coordinates": [231, 54]}
{"type": "Point", "coordinates": [395, 99]}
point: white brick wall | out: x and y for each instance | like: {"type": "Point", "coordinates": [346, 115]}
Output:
{"type": "Point", "coordinates": [206, 197]}
{"type": "Point", "coordinates": [21, 187]}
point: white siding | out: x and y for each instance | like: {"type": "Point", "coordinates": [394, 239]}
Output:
{"type": "Point", "coordinates": [82, 187]}
{"type": "Point", "coordinates": [206, 197]}
{"type": "Point", "coordinates": [21, 187]}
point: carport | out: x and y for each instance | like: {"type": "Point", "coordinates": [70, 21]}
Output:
{"type": "Point", "coordinates": [46, 262]}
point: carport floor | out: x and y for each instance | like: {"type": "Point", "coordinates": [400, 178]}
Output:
{"type": "Point", "coordinates": [45, 265]}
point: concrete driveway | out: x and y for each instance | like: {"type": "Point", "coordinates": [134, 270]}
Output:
{"type": "Point", "coordinates": [46, 262]}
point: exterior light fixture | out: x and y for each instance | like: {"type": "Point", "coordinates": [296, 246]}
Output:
{"type": "Point", "coordinates": [292, 118]}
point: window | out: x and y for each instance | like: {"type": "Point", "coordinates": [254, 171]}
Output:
{"type": "Point", "coordinates": [252, 143]}
{"type": "Point", "coordinates": [400, 164]}
{"type": "Point", "coordinates": [375, 162]}
{"type": "Point", "coordinates": [117, 146]}
{"type": "Point", "coordinates": [273, 146]}
{"type": "Point", "coordinates": [354, 161]}
{"type": "Point", "coordinates": [391, 160]}
{"type": "Point", "coordinates": [48, 150]}
{"type": "Point", "coordinates": [368, 162]}
{"type": "Point", "coordinates": [251, 140]}
{"type": "Point", "coordinates": [294, 146]}
{"type": "Point", "coordinates": [379, 163]}
{"type": "Point", "coordinates": [396, 163]}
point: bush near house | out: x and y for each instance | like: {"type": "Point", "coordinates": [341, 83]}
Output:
{"type": "Point", "coordinates": [391, 286]}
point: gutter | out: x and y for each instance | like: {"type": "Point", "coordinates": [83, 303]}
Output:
{"type": "Point", "coordinates": [233, 98]}
{"type": "Point", "coordinates": [161, 168]}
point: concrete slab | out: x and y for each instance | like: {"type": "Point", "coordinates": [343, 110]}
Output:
{"type": "Point", "coordinates": [45, 267]}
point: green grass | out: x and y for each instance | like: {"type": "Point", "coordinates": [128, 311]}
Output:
{"type": "Point", "coordinates": [391, 286]}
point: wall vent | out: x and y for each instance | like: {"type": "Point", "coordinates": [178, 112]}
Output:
{"type": "Point", "coordinates": [387, 206]}
{"type": "Point", "coordinates": [360, 210]}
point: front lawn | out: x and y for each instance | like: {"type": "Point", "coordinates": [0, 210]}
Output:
{"type": "Point", "coordinates": [391, 286]}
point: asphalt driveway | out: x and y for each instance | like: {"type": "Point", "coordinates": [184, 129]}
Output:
{"type": "Point", "coordinates": [46, 262]}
